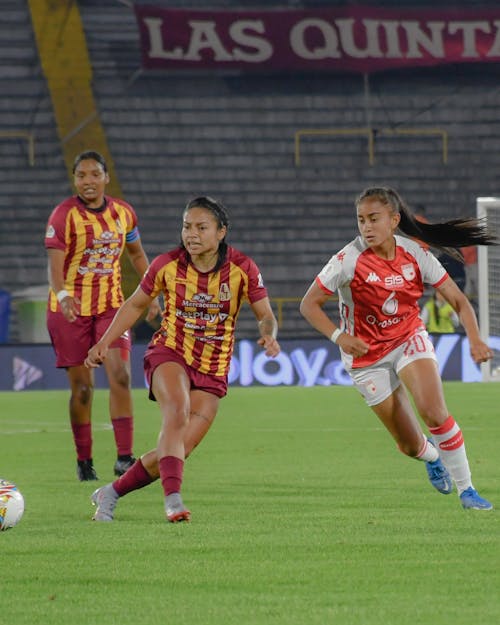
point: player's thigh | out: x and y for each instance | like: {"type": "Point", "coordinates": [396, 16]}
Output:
{"type": "Point", "coordinates": [422, 379]}
{"type": "Point", "coordinates": [204, 408]}
{"type": "Point", "coordinates": [170, 385]}
{"type": "Point", "coordinates": [117, 366]}
{"type": "Point", "coordinates": [397, 415]}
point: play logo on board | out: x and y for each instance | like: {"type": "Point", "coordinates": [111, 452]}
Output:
{"type": "Point", "coordinates": [24, 373]}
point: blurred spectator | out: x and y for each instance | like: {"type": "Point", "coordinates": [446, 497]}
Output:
{"type": "Point", "coordinates": [439, 316]}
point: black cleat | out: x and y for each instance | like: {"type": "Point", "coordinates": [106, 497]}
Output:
{"type": "Point", "coordinates": [85, 470]}
{"type": "Point", "coordinates": [123, 464]}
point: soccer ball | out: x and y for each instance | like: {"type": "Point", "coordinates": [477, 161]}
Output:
{"type": "Point", "coordinates": [11, 505]}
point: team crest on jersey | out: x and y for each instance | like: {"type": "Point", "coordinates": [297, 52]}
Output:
{"type": "Point", "coordinates": [340, 256]}
{"type": "Point", "coordinates": [408, 271]}
{"type": "Point", "coordinates": [224, 292]}
{"type": "Point", "coordinates": [371, 387]}
{"type": "Point", "coordinates": [50, 233]}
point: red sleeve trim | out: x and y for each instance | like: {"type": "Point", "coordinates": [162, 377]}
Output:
{"type": "Point", "coordinates": [322, 286]}
{"type": "Point", "coordinates": [443, 279]}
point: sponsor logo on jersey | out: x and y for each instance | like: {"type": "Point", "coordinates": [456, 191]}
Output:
{"type": "Point", "coordinates": [373, 277]}
{"type": "Point", "coordinates": [202, 297]}
{"type": "Point", "coordinates": [260, 281]}
{"type": "Point", "coordinates": [340, 256]}
{"type": "Point", "coordinates": [409, 271]}
{"type": "Point", "coordinates": [50, 233]}
{"type": "Point", "coordinates": [390, 306]}
{"type": "Point", "coordinates": [394, 280]}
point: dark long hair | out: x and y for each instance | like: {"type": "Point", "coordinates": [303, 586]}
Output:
{"type": "Point", "coordinates": [446, 235]}
{"type": "Point", "coordinates": [219, 211]}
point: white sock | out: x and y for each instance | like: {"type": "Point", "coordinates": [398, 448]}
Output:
{"type": "Point", "coordinates": [428, 453]}
{"type": "Point", "coordinates": [450, 443]}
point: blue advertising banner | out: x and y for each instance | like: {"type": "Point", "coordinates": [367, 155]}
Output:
{"type": "Point", "coordinates": [300, 363]}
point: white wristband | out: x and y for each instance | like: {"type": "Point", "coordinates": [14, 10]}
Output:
{"type": "Point", "coordinates": [335, 335]}
{"type": "Point", "coordinates": [62, 294]}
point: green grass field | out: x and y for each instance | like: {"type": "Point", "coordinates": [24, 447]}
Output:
{"type": "Point", "coordinates": [303, 513]}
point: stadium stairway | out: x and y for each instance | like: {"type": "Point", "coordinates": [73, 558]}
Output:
{"type": "Point", "coordinates": [32, 183]}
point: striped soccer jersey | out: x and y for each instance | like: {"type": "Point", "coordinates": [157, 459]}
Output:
{"type": "Point", "coordinates": [200, 309]}
{"type": "Point", "coordinates": [93, 242]}
{"type": "Point", "coordinates": [378, 298]}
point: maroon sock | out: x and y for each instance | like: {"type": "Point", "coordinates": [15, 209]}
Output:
{"type": "Point", "coordinates": [82, 435]}
{"type": "Point", "coordinates": [133, 479]}
{"type": "Point", "coordinates": [171, 474]}
{"type": "Point", "coordinates": [123, 428]}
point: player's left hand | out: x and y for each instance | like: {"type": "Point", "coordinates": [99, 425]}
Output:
{"type": "Point", "coordinates": [270, 344]}
{"type": "Point", "coordinates": [154, 310]}
{"type": "Point", "coordinates": [480, 352]}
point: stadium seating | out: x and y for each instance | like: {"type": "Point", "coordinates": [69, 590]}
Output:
{"type": "Point", "coordinates": [233, 136]}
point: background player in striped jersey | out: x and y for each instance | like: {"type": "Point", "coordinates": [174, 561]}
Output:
{"type": "Point", "coordinates": [380, 278]}
{"type": "Point", "coordinates": [204, 283]}
{"type": "Point", "coordinates": [85, 238]}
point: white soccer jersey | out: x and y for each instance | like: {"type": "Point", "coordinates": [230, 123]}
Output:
{"type": "Point", "coordinates": [378, 298]}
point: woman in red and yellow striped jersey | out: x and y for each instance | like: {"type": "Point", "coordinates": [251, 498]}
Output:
{"type": "Point", "coordinates": [204, 283]}
{"type": "Point", "coordinates": [86, 236]}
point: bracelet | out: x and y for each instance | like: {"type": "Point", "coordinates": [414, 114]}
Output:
{"type": "Point", "coordinates": [335, 335]}
{"type": "Point", "coordinates": [62, 294]}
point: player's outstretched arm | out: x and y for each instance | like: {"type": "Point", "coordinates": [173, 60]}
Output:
{"type": "Point", "coordinates": [268, 326]}
{"type": "Point", "coordinates": [479, 350]}
{"type": "Point", "coordinates": [126, 316]}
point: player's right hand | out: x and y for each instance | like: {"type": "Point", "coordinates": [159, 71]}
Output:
{"type": "Point", "coordinates": [352, 345]}
{"type": "Point", "coordinates": [96, 356]}
{"type": "Point", "coordinates": [70, 308]}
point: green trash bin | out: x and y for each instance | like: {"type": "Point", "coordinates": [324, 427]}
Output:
{"type": "Point", "coordinates": [31, 311]}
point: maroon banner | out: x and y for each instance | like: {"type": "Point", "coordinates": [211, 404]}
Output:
{"type": "Point", "coordinates": [337, 39]}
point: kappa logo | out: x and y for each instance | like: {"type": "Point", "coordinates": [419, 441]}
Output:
{"type": "Point", "coordinates": [373, 277]}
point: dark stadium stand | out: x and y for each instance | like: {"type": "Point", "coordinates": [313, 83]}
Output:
{"type": "Point", "coordinates": [173, 135]}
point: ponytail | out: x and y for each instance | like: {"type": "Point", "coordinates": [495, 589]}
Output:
{"type": "Point", "coordinates": [446, 235]}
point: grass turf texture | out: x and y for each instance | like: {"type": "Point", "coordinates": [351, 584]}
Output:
{"type": "Point", "coordinates": [304, 512]}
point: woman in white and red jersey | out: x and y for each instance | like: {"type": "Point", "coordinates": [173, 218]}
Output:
{"type": "Point", "coordinates": [204, 283]}
{"type": "Point", "coordinates": [379, 278]}
{"type": "Point", "coordinates": [85, 238]}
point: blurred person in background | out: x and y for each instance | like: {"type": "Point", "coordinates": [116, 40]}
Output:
{"type": "Point", "coordinates": [85, 238]}
{"type": "Point", "coordinates": [439, 316]}
{"type": "Point", "coordinates": [384, 346]}
{"type": "Point", "coordinates": [204, 283]}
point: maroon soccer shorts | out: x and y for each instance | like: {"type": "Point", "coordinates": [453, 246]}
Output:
{"type": "Point", "coordinates": [72, 340]}
{"type": "Point", "coordinates": [157, 354]}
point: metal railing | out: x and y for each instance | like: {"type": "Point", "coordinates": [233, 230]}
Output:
{"type": "Point", "coordinates": [29, 137]}
{"type": "Point", "coordinates": [371, 134]}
